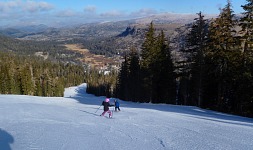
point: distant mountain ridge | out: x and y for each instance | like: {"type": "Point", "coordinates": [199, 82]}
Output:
{"type": "Point", "coordinates": [34, 28]}
{"type": "Point", "coordinates": [93, 30]}
{"type": "Point", "coordinates": [22, 31]}
{"type": "Point", "coordinates": [171, 18]}
{"type": "Point", "coordinates": [107, 38]}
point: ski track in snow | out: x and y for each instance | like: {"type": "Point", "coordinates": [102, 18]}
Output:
{"type": "Point", "coordinates": [71, 122]}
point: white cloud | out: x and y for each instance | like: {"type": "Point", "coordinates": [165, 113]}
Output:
{"type": "Point", "coordinates": [66, 13]}
{"type": "Point", "coordinates": [24, 6]}
{"type": "Point", "coordinates": [23, 11]}
{"type": "Point", "coordinates": [29, 11]}
{"type": "Point", "coordinates": [32, 6]}
{"type": "Point", "coordinates": [144, 12]}
{"type": "Point", "coordinates": [113, 13]}
{"type": "Point", "coordinates": [90, 9]}
{"type": "Point", "coordinates": [8, 6]}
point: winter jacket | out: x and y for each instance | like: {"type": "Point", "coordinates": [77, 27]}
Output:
{"type": "Point", "coordinates": [116, 104]}
{"type": "Point", "coordinates": [106, 105]}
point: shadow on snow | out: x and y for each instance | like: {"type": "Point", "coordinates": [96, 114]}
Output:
{"type": "Point", "coordinates": [191, 111]}
{"type": "Point", "coordinates": [5, 140]}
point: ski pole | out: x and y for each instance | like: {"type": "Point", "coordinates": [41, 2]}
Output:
{"type": "Point", "coordinates": [112, 112]}
{"type": "Point", "coordinates": [98, 108]}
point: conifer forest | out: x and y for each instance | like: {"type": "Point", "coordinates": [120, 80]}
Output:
{"type": "Point", "coordinates": [217, 73]}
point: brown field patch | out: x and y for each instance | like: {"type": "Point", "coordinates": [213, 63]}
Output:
{"type": "Point", "coordinates": [97, 61]}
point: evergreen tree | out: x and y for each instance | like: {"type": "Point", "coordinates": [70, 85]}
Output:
{"type": "Point", "coordinates": [166, 79]}
{"type": "Point", "coordinates": [221, 49]}
{"type": "Point", "coordinates": [3, 79]}
{"type": "Point", "coordinates": [26, 81]}
{"type": "Point", "coordinates": [244, 84]}
{"type": "Point", "coordinates": [134, 75]}
{"type": "Point", "coordinates": [196, 45]}
{"type": "Point", "coordinates": [148, 63]}
{"type": "Point", "coordinates": [122, 83]}
{"type": "Point", "coordinates": [246, 23]}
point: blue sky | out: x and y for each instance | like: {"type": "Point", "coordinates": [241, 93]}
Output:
{"type": "Point", "coordinates": [58, 12]}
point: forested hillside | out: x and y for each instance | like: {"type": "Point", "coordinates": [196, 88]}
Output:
{"type": "Point", "coordinates": [216, 73]}
{"type": "Point", "coordinates": [30, 75]}
{"type": "Point", "coordinates": [37, 68]}
{"type": "Point", "coordinates": [51, 50]}
{"type": "Point", "coordinates": [132, 36]}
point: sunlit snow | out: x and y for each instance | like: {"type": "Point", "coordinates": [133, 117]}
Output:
{"type": "Point", "coordinates": [70, 123]}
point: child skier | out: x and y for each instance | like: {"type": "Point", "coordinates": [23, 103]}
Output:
{"type": "Point", "coordinates": [116, 105]}
{"type": "Point", "coordinates": [106, 105]}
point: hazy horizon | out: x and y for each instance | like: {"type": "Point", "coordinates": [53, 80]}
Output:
{"type": "Point", "coordinates": [59, 13]}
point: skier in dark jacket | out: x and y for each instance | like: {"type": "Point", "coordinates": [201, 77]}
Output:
{"type": "Point", "coordinates": [106, 105]}
{"type": "Point", "coordinates": [116, 105]}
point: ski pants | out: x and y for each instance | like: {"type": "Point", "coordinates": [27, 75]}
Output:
{"type": "Point", "coordinates": [117, 108]}
{"type": "Point", "coordinates": [108, 111]}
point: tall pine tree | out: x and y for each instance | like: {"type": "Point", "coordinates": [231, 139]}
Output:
{"type": "Point", "coordinates": [147, 63]}
{"type": "Point", "coordinates": [196, 43]}
{"type": "Point", "coordinates": [221, 52]}
{"type": "Point", "coordinates": [134, 76]}
{"type": "Point", "coordinates": [166, 79]}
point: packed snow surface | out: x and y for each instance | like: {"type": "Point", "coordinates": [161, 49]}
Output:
{"type": "Point", "coordinates": [73, 122]}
